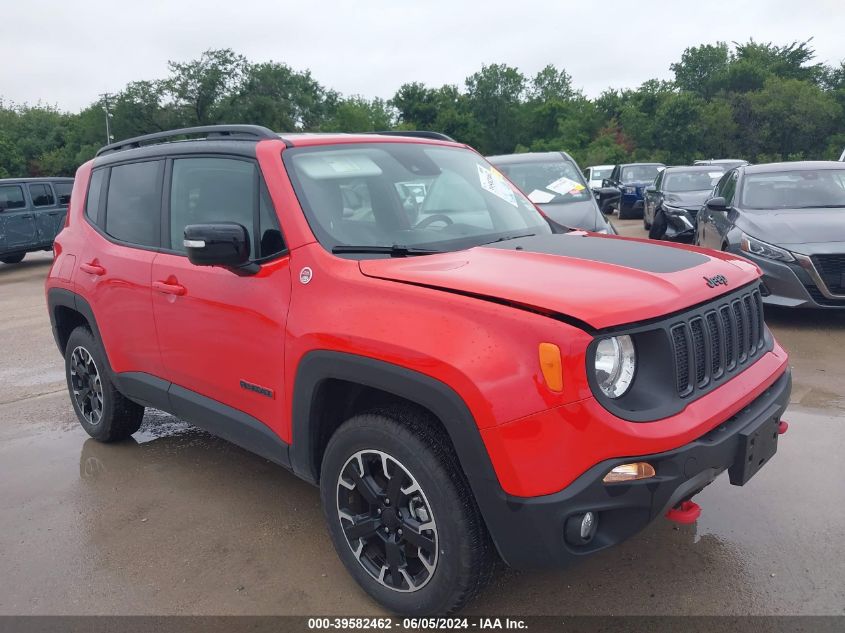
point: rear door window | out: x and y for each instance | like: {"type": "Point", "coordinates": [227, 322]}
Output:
{"type": "Point", "coordinates": [133, 203]}
{"type": "Point", "coordinates": [42, 195]}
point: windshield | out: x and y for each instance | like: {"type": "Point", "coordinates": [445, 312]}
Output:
{"type": "Point", "coordinates": [806, 189]}
{"type": "Point", "coordinates": [698, 180]}
{"type": "Point", "coordinates": [600, 174]}
{"type": "Point", "coordinates": [408, 194]}
{"type": "Point", "coordinates": [645, 173]}
{"type": "Point", "coordinates": [555, 181]}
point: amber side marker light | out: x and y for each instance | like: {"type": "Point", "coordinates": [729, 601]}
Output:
{"type": "Point", "coordinates": [550, 364]}
{"type": "Point", "coordinates": [629, 472]}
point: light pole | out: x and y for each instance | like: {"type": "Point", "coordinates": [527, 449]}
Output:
{"type": "Point", "coordinates": [106, 96]}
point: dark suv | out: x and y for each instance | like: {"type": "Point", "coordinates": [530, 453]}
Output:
{"type": "Point", "coordinates": [623, 189]}
{"type": "Point", "coordinates": [391, 319]}
{"type": "Point", "coordinates": [32, 212]}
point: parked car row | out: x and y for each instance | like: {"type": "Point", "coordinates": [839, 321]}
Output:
{"type": "Point", "coordinates": [32, 212]}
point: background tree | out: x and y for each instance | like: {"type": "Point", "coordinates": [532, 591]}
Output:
{"type": "Point", "coordinates": [754, 100]}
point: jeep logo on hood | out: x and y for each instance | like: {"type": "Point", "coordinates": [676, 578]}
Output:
{"type": "Point", "coordinates": [716, 280]}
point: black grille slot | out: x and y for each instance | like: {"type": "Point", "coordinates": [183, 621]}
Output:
{"type": "Point", "coordinates": [699, 359]}
{"type": "Point", "coordinates": [832, 271]}
{"type": "Point", "coordinates": [709, 345]}
{"type": "Point", "coordinates": [716, 343]}
{"type": "Point", "coordinates": [730, 337]}
{"type": "Point", "coordinates": [741, 330]}
{"type": "Point", "coordinates": [679, 342]}
{"type": "Point", "coordinates": [752, 323]}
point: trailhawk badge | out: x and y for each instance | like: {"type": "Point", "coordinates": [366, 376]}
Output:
{"type": "Point", "coordinates": [716, 280]}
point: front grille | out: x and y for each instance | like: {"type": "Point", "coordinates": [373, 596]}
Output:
{"type": "Point", "coordinates": [725, 339]}
{"type": "Point", "coordinates": [819, 298]}
{"type": "Point", "coordinates": [832, 271]}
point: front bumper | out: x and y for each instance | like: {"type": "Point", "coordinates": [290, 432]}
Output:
{"type": "Point", "coordinates": [790, 285]}
{"type": "Point", "coordinates": [529, 531]}
{"type": "Point", "coordinates": [680, 227]}
{"type": "Point", "coordinates": [631, 201]}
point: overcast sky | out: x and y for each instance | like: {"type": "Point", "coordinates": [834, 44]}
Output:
{"type": "Point", "coordinates": [65, 53]}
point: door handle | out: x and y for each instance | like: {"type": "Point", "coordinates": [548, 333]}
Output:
{"type": "Point", "coordinates": [169, 289]}
{"type": "Point", "coordinates": [92, 268]}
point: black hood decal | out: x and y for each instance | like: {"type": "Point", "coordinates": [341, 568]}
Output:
{"type": "Point", "coordinates": [652, 258]}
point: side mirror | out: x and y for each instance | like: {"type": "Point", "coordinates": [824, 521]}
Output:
{"type": "Point", "coordinates": [650, 190]}
{"type": "Point", "coordinates": [223, 244]}
{"type": "Point", "coordinates": [717, 204]}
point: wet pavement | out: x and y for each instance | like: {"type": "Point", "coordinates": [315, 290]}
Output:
{"type": "Point", "coordinates": [177, 521]}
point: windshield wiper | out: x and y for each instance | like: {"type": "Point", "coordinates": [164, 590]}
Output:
{"type": "Point", "coordinates": [505, 238]}
{"type": "Point", "coordinates": [396, 250]}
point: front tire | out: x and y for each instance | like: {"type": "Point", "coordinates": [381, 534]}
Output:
{"type": "Point", "coordinates": [658, 227]}
{"type": "Point", "coordinates": [13, 259]}
{"type": "Point", "coordinates": [105, 413]}
{"type": "Point", "coordinates": [401, 514]}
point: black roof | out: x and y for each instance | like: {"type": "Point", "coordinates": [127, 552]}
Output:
{"type": "Point", "coordinates": [15, 181]}
{"type": "Point", "coordinates": [528, 157]}
{"type": "Point", "coordinates": [801, 165]}
{"type": "Point", "coordinates": [690, 168]}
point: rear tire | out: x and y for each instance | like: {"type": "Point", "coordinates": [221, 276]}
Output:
{"type": "Point", "coordinates": [13, 259]}
{"type": "Point", "coordinates": [363, 457]}
{"type": "Point", "coordinates": [105, 413]}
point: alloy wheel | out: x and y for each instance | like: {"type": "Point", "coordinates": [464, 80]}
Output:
{"type": "Point", "coordinates": [387, 521]}
{"type": "Point", "coordinates": [86, 385]}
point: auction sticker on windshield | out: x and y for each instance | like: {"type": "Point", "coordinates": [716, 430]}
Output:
{"type": "Point", "coordinates": [492, 181]}
{"type": "Point", "coordinates": [538, 196]}
{"type": "Point", "coordinates": [565, 186]}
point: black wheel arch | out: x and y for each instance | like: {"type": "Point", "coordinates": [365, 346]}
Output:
{"type": "Point", "coordinates": [69, 310]}
{"type": "Point", "coordinates": [438, 398]}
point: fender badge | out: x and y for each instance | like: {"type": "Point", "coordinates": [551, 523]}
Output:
{"type": "Point", "coordinates": [717, 280]}
{"type": "Point", "coordinates": [305, 275]}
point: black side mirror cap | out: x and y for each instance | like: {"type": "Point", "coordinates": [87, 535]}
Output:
{"type": "Point", "coordinates": [223, 244]}
{"type": "Point", "coordinates": [717, 204]}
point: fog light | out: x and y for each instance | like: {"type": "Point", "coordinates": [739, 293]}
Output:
{"type": "Point", "coordinates": [581, 528]}
{"type": "Point", "coordinates": [629, 472]}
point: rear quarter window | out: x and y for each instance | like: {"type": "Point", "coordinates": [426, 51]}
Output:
{"type": "Point", "coordinates": [63, 190]}
{"type": "Point", "coordinates": [92, 201]}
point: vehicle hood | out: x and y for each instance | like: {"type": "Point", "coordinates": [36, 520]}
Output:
{"type": "Point", "coordinates": [596, 280]}
{"type": "Point", "coordinates": [794, 227]}
{"type": "Point", "coordinates": [583, 214]}
{"type": "Point", "coordinates": [687, 199]}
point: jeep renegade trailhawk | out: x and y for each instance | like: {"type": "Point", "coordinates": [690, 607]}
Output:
{"type": "Point", "coordinates": [390, 318]}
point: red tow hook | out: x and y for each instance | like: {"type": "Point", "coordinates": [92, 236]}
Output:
{"type": "Point", "coordinates": [783, 427]}
{"type": "Point", "coordinates": [685, 513]}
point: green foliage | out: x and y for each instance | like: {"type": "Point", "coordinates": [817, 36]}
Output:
{"type": "Point", "coordinates": [753, 100]}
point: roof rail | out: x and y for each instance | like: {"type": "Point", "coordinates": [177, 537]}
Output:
{"type": "Point", "coordinates": [437, 136]}
{"type": "Point", "coordinates": [229, 132]}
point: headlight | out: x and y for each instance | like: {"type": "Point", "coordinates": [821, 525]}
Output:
{"type": "Point", "coordinates": [615, 362]}
{"type": "Point", "coordinates": [668, 208]}
{"type": "Point", "coordinates": [748, 244]}
{"type": "Point", "coordinates": [630, 190]}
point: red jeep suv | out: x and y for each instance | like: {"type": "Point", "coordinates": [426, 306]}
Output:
{"type": "Point", "coordinates": [388, 317]}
